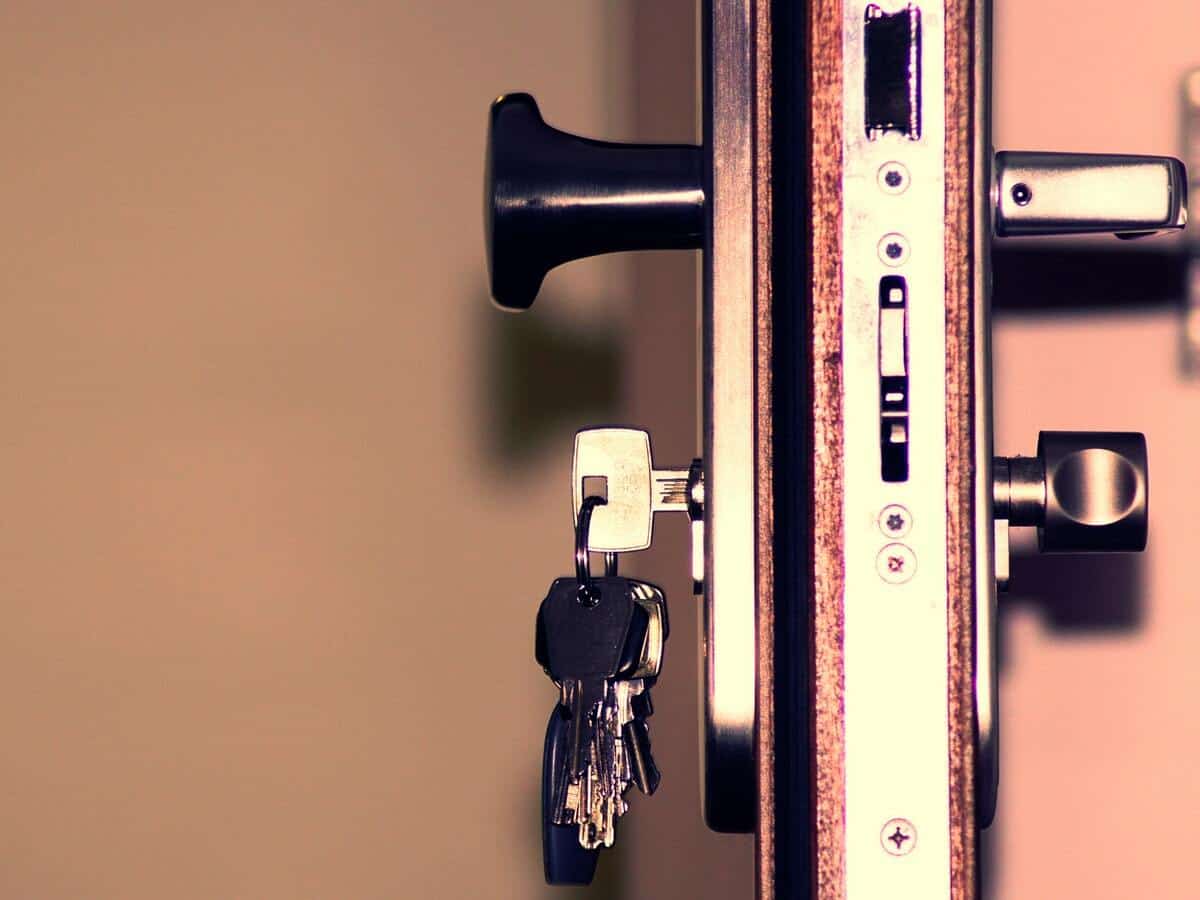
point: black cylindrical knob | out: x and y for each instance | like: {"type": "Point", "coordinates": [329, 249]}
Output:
{"type": "Point", "coordinates": [1087, 491]}
{"type": "Point", "coordinates": [550, 197]}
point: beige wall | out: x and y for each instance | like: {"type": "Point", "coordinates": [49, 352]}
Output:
{"type": "Point", "coordinates": [268, 574]}
{"type": "Point", "coordinates": [282, 492]}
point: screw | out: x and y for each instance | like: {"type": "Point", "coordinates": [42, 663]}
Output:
{"type": "Point", "coordinates": [1021, 194]}
{"type": "Point", "coordinates": [895, 520]}
{"type": "Point", "coordinates": [896, 563]}
{"type": "Point", "coordinates": [893, 178]}
{"type": "Point", "coordinates": [898, 837]}
{"type": "Point", "coordinates": [893, 249]}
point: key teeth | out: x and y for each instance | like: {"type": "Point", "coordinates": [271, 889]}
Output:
{"type": "Point", "coordinates": [598, 743]}
{"type": "Point", "coordinates": [645, 773]}
{"type": "Point", "coordinates": [642, 705]}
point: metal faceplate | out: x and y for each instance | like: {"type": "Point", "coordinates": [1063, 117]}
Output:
{"type": "Point", "coordinates": [895, 640]}
{"type": "Point", "coordinates": [898, 828]}
{"type": "Point", "coordinates": [730, 584]}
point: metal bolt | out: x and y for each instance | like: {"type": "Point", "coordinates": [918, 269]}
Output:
{"type": "Point", "coordinates": [893, 178]}
{"type": "Point", "coordinates": [896, 563]}
{"type": "Point", "coordinates": [898, 837]}
{"type": "Point", "coordinates": [893, 250]}
{"type": "Point", "coordinates": [895, 521]}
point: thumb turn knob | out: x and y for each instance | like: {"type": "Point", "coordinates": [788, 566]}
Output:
{"type": "Point", "coordinates": [550, 197]}
{"type": "Point", "coordinates": [1086, 491]}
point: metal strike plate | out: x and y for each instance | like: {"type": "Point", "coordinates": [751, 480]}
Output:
{"type": "Point", "coordinates": [1041, 194]}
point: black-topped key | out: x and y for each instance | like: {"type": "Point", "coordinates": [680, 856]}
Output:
{"type": "Point", "coordinates": [566, 860]}
{"type": "Point", "coordinates": [588, 642]}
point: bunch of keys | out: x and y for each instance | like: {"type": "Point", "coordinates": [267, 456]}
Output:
{"type": "Point", "coordinates": [601, 641]}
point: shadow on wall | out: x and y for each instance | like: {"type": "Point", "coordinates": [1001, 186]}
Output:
{"type": "Point", "coordinates": [1081, 593]}
{"type": "Point", "coordinates": [1073, 595]}
{"type": "Point", "coordinates": [543, 371]}
{"type": "Point", "coordinates": [1066, 279]}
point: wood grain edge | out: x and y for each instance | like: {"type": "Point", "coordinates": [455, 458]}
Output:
{"type": "Point", "coordinates": [960, 581]}
{"type": "Point", "coordinates": [764, 447]}
{"type": "Point", "coordinates": [828, 587]}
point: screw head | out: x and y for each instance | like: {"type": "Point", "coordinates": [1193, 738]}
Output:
{"type": "Point", "coordinates": [898, 837]}
{"type": "Point", "coordinates": [893, 178]}
{"type": "Point", "coordinates": [896, 563]}
{"type": "Point", "coordinates": [893, 250]}
{"type": "Point", "coordinates": [895, 521]}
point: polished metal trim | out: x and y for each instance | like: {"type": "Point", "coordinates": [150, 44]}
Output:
{"type": "Point", "coordinates": [896, 651]}
{"type": "Point", "coordinates": [988, 576]}
{"type": "Point", "coordinates": [729, 647]}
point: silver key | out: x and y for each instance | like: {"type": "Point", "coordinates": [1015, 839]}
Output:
{"type": "Point", "coordinates": [635, 491]}
{"type": "Point", "coordinates": [597, 800]}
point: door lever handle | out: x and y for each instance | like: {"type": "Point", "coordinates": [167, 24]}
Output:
{"type": "Point", "coordinates": [1039, 194]}
{"type": "Point", "coordinates": [551, 197]}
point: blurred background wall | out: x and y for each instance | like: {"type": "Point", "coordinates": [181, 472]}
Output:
{"type": "Point", "coordinates": [278, 509]}
{"type": "Point", "coordinates": [282, 490]}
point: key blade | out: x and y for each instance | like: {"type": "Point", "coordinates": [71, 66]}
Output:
{"type": "Point", "coordinates": [645, 773]}
{"type": "Point", "coordinates": [585, 710]}
{"type": "Point", "coordinates": [606, 774]}
{"type": "Point", "coordinates": [670, 489]}
{"type": "Point", "coordinates": [565, 860]}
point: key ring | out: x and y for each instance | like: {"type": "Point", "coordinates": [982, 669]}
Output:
{"type": "Point", "coordinates": [583, 572]}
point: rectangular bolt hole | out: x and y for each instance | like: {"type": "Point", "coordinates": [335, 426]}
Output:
{"type": "Point", "coordinates": [892, 43]}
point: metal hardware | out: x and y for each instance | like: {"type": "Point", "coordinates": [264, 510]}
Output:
{"type": "Point", "coordinates": [551, 197]}
{"type": "Point", "coordinates": [1082, 193]}
{"type": "Point", "coordinates": [893, 178]}
{"type": "Point", "coordinates": [1001, 542]}
{"type": "Point", "coordinates": [583, 573]}
{"type": "Point", "coordinates": [604, 656]}
{"type": "Point", "coordinates": [895, 594]}
{"type": "Point", "coordinates": [729, 774]}
{"type": "Point", "coordinates": [892, 79]}
{"type": "Point", "coordinates": [893, 378]}
{"type": "Point", "coordinates": [695, 510]}
{"type": "Point", "coordinates": [1086, 491]}
{"type": "Point", "coordinates": [636, 491]}
{"type": "Point", "coordinates": [987, 697]}
{"type": "Point", "coordinates": [898, 837]}
{"type": "Point", "coordinates": [896, 564]}
{"type": "Point", "coordinates": [894, 250]}
{"type": "Point", "coordinates": [895, 521]}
